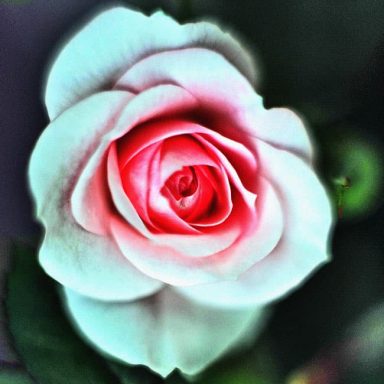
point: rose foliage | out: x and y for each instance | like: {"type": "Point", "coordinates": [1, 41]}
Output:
{"type": "Point", "coordinates": [175, 205]}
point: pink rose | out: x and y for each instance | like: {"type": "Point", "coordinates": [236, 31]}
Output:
{"type": "Point", "coordinates": [175, 205]}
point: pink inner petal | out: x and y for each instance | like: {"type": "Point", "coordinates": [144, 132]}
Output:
{"type": "Point", "coordinates": [249, 197]}
{"type": "Point", "coordinates": [90, 199]}
{"type": "Point", "coordinates": [182, 151]}
{"type": "Point", "coordinates": [214, 180]}
{"type": "Point", "coordinates": [241, 158]}
{"type": "Point", "coordinates": [137, 183]}
{"type": "Point", "coordinates": [146, 173]}
{"type": "Point", "coordinates": [158, 205]}
{"type": "Point", "coordinates": [124, 200]}
{"type": "Point", "coordinates": [183, 189]}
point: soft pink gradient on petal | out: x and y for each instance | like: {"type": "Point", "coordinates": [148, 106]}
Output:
{"type": "Point", "coordinates": [238, 155]}
{"type": "Point", "coordinates": [281, 128]}
{"type": "Point", "coordinates": [162, 129]}
{"type": "Point", "coordinates": [86, 262]}
{"type": "Point", "coordinates": [137, 182]}
{"type": "Point", "coordinates": [221, 89]}
{"type": "Point", "coordinates": [214, 201]}
{"type": "Point", "coordinates": [90, 199]}
{"type": "Point", "coordinates": [182, 151]}
{"type": "Point", "coordinates": [302, 248]}
{"type": "Point", "coordinates": [226, 94]}
{"type": "Point", "coordinates": [248, 196]}
{"type": "Point", "coordinates": [255, 238]}
{"type": "Point", "coordinates": [90, 202]}
{"type": "Point", "coordinates": [121, 200]}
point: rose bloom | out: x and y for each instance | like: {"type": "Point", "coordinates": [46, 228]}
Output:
{"type": "Point", "coordinates": [175, 205]}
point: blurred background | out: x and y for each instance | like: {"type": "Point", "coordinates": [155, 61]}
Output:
{"type": "Point", "coordinates": [322, 58]}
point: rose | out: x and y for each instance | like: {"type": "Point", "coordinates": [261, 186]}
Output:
{"type": "Point", "coordinates": [175, 205]}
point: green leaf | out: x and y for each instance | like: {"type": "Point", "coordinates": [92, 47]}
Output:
{"type": "Point", "coordinates": [14, 377]}
{"type": "Point", "coordinates": [134, 375]}
{"type": "Point", "coordinates": [238, 376]}
{"type": "Point", "coordinates": [50, 349]}
{"type": "Point", "coordinates": [254, 366]}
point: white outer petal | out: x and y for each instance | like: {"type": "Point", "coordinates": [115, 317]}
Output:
{"type": "Point", "coordinates": [281, 128]}
{"type": "Point", "coordinates": [219, 86]}
{"type": "Point", "coordinates": [117, 38]}
{"type": "Point", "coordinates": [88, 263]}
{"type": "Point", "coordinates": [164, 331]}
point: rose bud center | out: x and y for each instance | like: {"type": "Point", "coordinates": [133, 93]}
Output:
{"type": "Point", "coordinates": [182, 183]}
{"type": "Point", "coordinates": [177, 184]}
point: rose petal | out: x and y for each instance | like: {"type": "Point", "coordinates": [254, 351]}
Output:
{"type": "Point", "coordinates": [159, 207]}
{"type": "Point", "coordinates": [178, 152]}
{"type": "Point", "coordinates": [162, 260]}
{"type": "Point", "coordinates": [182, 151]}
{"type": "Point", "coordinates": [219, 86]}
{"type": "Point", "coordinates": [160, 130]}
{"type": "Point", "coordinates": [136, 213]}
{"type": "Point", "coordinates": [303, 247]}
{"type": "Point", "coordinates": [241, 158]}
{"type": "Point", "coordinates": [89, 206]}
{"type": "Point", "coordinates": [226, 92]}
{"type": "Point", "coordinates": [90, 200]}
{"type": "Point", "coordinates": [115, 40]}
{"type": "Point", "coordinates": [281, 128]}
{"type": "Point", "coordinates": [160, 102]}
{"type": "Point", "coordinates": [248, 196]}
{"type": "Point", "coordinates": [88, 263]}
{"type": "Point", "coordinates": [214, 187]}
{"type": "Point", "coordinates": [190, 192]}
{"type": "Point", "coordinates": [163, 332]}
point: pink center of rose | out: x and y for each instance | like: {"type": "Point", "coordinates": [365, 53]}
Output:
{"type": "Point", "coordinates": [182, 183]}
{"type": "Point", "coordinates": [177, 178]}
{"type": "Point", "coordinates": [190, 193]}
